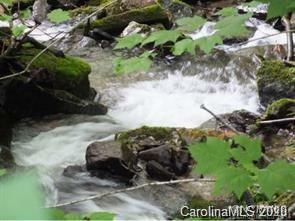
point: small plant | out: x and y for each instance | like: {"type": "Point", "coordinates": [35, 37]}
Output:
{"type": "Point", "coordinates": [233, 164]}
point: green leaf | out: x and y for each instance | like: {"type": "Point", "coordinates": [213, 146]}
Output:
{"type": "Point", "coordinates": [190, 23]}
{"type": "Point", "coordinates": [233, 179]}
{"type": "Point", "coordinates": [185, 45]}
{"type": "Point", "coordinates": [248, 151]}
{"type": "Point", "coordinates": [25, 13]}
{"type": "Point", "coordinates": [278, 8]}
{"type": "Point", "coordinates": [73, 216]}
{"type": "Point", "coordinates": [233, 26]}
{"type": "Point", "coordinates": [56, 214]}
{"type": "Point", "coordinates": [129, 41]}
{"type": "Point", "coordinates": [58, 16]}
{"type": "Point", "coordinates": [228, 11]}
{"type": "Point", "coordinates": [211, 156]}
{"type": "Point", "coordinates": [21, 198]}
{"type": "Point", "coordinates": [18, 30]}
{"type": "Point", "coordinates": [3, 172]}
{"type": "Point", "coordinates": [206, 44]}
{"type": "Point", "coordinates": [102, 216]}
{"type": "Point", "coordinates": [5, 17]}
{"type": "Point", "coordinates": [125, 66]}
{"type": "Point", "coordinates": [7, 2]}
{"type": "Point", "coordinates": [162, 37]}
{"type": "Point", "coordinates": [279, 176]}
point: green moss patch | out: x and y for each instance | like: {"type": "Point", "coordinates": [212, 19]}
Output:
{"type": "Point", "coordinates": [271, 70]}
{"type": "Point", "coordinates": [281, 109]}
{"type": "Point", "coordinates": [149, 14]}
{"type": "Point", "coordinates": [67, 67]}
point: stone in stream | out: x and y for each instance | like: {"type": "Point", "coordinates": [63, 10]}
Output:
{"type": "Point", "coordinates": [162, 150]}
{"type": "Point", "coordinates": [241, 120]}
{"type": "Point", "coordinates": [103, 159]}
{"type": "Point", "coordinates": [54, 85]}
{"type": "Point", "coordinates": [275, 80]}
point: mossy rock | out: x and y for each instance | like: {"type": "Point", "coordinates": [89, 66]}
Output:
{"type": "Point", "coordinates": [282, 108]}
{"type": "Point", "coordinates": [275, 80]}
{"type": "Point", "coordinates": [70, 73]}
{"type": "Point", "coordinates": [116, 23]}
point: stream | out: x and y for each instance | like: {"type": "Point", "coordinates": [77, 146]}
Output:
{"type": "Point", "coordinates": [168, 96]}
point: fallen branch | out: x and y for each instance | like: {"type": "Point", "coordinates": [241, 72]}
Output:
{"type": "Point", "coordinates": [277, 120]}
{"type": "Point", "coordinates": [158, 183]}
{"type": "Point", "coordinates": [56, 41]}
{"type": "Point", "coordinates": [219, 119]}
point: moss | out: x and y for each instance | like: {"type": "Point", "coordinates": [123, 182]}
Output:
{"type": "Point", "coordinates": [272, 70]}
{"type": "Point", "coordinates": [149, 14]}
{"type": "Point", "coordinates": [64, 68]}
{"type": "Point", "coordinates": [195, 134]}
{"type": "Point", "coordinates": [280, 109]}
{"type": "Point", "coordinates": [159, 133]}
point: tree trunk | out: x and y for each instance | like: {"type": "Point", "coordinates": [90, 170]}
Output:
{"type": "Point", "coordinates": [290, 43]}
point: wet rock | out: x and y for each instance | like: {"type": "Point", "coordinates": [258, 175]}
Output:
{"type": "Point", "coordinates": [135, 28]}
{"type": "Point", "coordinates": [63, 73]}
{"type": "Point", "coordinates": [28, 99]}
{"type": "Point", "coordinates": [103, 159]}
{"type": "Point", "coordinates": [114, 24]}
{"type": "Point", "coordinates": [241, 120]}
{"type": "Point", "coordinates": [179, 9]}
{"type": "Point", "coordinates": [282, 108]}
{"type": "Point", "coordinates": [275, 80]}
{"type": "Point", "coordinates": [156, 171]}
{"type": "Point", "coordinates": [72, 170]}
{"type": "Point", "coordinates": [77, 41]}
{"type": "Point", "coordinates": [161, 150]}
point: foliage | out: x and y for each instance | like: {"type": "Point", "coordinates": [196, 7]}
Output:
{"type": "Point", "coordinates": [15, 34]}
{"type": "Point", "coordinates": [22, 199]}
{"type": "Point", "coordinates": [16, 191]}
{"type": "Point", "coordinates": [58, 16]}
{"type": "Point", "coordinates": [230, 25]}
{"type": "Point", "coordinates": [279, 8]}
{"type": "Point", "coordinates": [141, 63]}
{"type": "Point", "coordinates": [233, 164]}
{"type": "Point", "coordinates": [177, 40]}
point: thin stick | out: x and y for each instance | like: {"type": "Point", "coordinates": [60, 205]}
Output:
{"type": "Point", "coordinates": [277, 120]}
{"type": "Point", "coordinates": [219, 119]}
{"type": "Point", "coordinates": [56, 41]}
{"type": "Point", "coordinates": [99, 196]}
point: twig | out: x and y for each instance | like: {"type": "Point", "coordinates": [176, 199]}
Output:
{"type": "Point", "coordinates": [56, 41]}
{"type": "Point", "coordinates": [277, 120]}
{"type": "Point", "coordinates": [99, 196]}
{"type": "Point", "coordinates": [219, 119]}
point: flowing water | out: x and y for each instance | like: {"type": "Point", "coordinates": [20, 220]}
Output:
{"type": "Point", "coordinates": [168, 97]}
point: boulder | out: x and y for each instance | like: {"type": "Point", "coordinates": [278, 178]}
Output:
{"type": "Point", "coordinates": [103, 159]}
{"type": "Point", "coordinates": [66, 73]}
{"type": "Point", "coordinates": [161, 150]}
{"type": "Point", "coordinates": [275, 80]}
{"type": "Point", "coordinates": [115, 23]}
{"type": "Point", "coordinates": [29, 99]}
{"type": "Point", "coordinates": [282, 108]}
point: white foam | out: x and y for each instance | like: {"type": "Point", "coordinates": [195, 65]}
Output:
{"type": "Point", "coordinates": [175, 101]}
